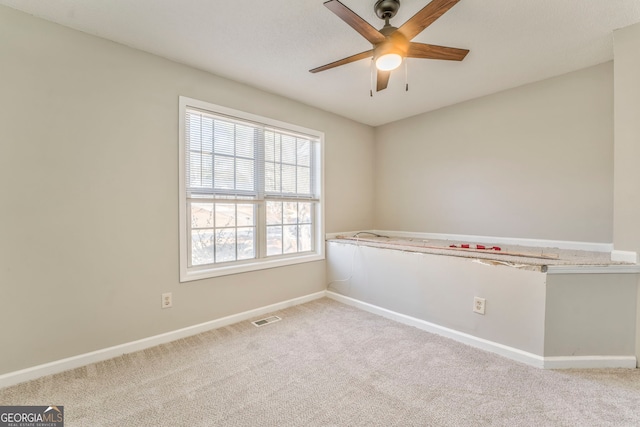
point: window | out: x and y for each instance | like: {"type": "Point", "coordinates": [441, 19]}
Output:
{"type": "Point", "coordinates": [250, 192]}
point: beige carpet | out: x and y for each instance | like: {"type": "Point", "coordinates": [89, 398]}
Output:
{"type": "Point", "coordinates": [328, 364]}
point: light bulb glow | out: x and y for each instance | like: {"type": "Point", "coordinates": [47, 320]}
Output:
{"type": "Point", "coordinates": [388, 61]}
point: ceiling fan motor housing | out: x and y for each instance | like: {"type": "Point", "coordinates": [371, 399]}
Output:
{"type": "Point", "coordinates": [386, 9]}
{"type": "Point", "coordinates": [395, 41]}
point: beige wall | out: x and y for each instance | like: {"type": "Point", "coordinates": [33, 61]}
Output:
{"type": "Point", "coordinates": [531, 162]}
{"type": "Point", "coordinates": [626, 225]}
{"type": "Point", "coordinates": [89, 185]}
{"type": "Point", "coordinates": [626, 205]}
{"type": "Point", "coordinates": [590, 314]}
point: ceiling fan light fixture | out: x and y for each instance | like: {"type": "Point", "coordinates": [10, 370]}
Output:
{"type": "Point", "coordinates": [388, 61]}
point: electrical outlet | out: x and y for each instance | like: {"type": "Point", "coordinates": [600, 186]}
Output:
{"type": "Point", "coordinates": [478, 305]}
{"type": "Point", "coordinates": [167, 300]}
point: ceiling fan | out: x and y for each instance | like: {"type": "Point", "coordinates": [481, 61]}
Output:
{"type": "Point", "coordinates": [392, 45]}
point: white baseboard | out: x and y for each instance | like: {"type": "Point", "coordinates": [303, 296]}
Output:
{"type": "Point", "coordinates": [73, 362]}
{"type": "Point", "coordinates": [589, 362]}
{"type": "Point", "coordinates": [500, 349]}
{"type": "Point", "coordinates": [624, 256]}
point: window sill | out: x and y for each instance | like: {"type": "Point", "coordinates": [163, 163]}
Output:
{"type": "Point", "coordinates": [199, 274]}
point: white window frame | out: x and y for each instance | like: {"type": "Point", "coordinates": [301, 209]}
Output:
{"type": "Point", "coordinates": [203, 272]}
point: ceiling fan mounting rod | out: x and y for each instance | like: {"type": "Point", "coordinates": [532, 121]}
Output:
{"type": "Point", "coordinates": [386, 9]}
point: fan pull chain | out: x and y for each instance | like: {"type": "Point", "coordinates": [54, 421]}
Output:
{"type": "Point", "coordinates": [406, 75]}
{"type": "Point", "coordinates": [371, 80]}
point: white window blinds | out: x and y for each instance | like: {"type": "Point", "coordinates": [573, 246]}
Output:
{"type": "Point", "coordinates": [237, 159]}
{"type": "Point", "coordinates": [221, 156]}
{"type": "Point", "coordinates": [288, 165]}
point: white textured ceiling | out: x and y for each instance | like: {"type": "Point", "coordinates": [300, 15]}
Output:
{"type": "Point", "coordinates": [271, 45]}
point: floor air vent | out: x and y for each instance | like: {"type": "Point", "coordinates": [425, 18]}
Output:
{"type": "Point", "coordinates": [266, 321]}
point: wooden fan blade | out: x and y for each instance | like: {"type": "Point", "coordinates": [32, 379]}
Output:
{"type": "Point", "coordinates": [432, 51]}
{"type": "Point", "coordinates": [425, 17]}
{"type": "Point", "coordinates": [354, 21]}
{"type": "Point", "coordinates": [343, 61]}
{"type": "Point", "coordinates": [383, 80]}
